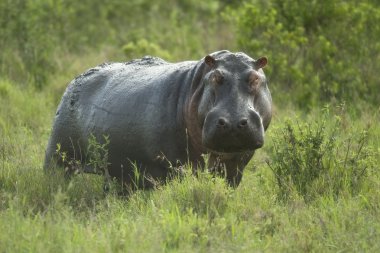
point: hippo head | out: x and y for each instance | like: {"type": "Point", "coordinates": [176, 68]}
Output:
{"type": "Point", "coordinates": [234, 107]}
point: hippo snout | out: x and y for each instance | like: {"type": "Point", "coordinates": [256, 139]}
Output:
{"type": "Point", "coordinates": [224, 124]}
{"type": "Point", "coordinates": [231, 133]}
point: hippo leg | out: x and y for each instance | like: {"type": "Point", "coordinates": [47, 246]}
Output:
{"type": "Point", "coordinates": [230, 166]}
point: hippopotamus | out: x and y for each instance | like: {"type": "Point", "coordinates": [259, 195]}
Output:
{"type": "Point", "coordinates": [158, 116]}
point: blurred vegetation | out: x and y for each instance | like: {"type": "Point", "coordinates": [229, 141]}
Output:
{"type": "Point", "coordinates": [34, 32]}
{"type": "Point", "coordinates": [320, 164]}
{"type": "Point", "coordinates": [319, 51]}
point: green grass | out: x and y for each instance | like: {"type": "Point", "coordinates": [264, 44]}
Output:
{"type": "Point", "coordinates": [41, 53]}
{"type": "Point", "coordinates": [45, 213]}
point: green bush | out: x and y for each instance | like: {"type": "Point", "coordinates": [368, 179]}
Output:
{"type": "Point", "coordinates": [35, 34]}
{"type": "Point", "coordinates": [318, 50]}
{"type": "Point", "coordinates": [143, 47]}
{"type": "Point", "coordinates": [319, 158]}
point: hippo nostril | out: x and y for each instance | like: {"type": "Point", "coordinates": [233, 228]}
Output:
{"type": "Point", "coordinates": [243, 123]}
{"type": "Point", "coordinates": [221, 122]}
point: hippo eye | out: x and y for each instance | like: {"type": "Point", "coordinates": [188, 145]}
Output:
{"type": "Point", "coordinates": [217, 77]}
{"type": "Point", "coordinates": [254, 82]}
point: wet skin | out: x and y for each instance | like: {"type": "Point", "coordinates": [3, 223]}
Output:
{"type": "Point", "coordinates": [159, 115]}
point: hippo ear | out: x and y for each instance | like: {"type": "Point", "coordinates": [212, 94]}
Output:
{"type": "Point", "coordinates": [210, 61]}
{"type": "Point", "coordinates": [261, 62]}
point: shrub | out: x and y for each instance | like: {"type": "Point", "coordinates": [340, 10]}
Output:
{"type": "Point", "coordinates": [142, 48]}
{"type": "Point", "coordinates": [311, 57]}
{"type": "Point", "coordinates": [316, 158]}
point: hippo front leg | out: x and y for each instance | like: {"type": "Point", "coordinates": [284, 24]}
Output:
{"type": "Point", "coordinates": [230, 166]}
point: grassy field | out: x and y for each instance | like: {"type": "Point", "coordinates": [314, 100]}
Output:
{"type": "Point", "coordinates": [44, 213]}
{"type": "Point", "coordinates": [313, 187]}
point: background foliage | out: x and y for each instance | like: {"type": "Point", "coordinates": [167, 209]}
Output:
{"type": "Point", "coordinates": [319, 50]}
{"type": "Point", "coordinates": [33, 32]}
{"type": "Point", "coordinates": [314, 187]}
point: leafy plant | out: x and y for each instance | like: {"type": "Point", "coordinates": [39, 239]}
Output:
{"type": "Point", "coordinates": [142, 48]}
{"type": "Point", "coordinates": [312, 58]}
{"type": "Point", "coordinates": [317, 158]}
{"type": "Point", "coordinates": [97, 154]}
{"type": "Point", "coordinates": [71, 165]}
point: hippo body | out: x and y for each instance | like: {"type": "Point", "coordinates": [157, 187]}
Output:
{"type": "Point", "coordinates": [158, 115]}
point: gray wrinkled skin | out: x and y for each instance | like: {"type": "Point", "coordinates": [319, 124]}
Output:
{"type": "Point", "coordinates": [158, 114]}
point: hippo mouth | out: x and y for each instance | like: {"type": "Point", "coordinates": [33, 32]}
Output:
{"type": "Point", "coordinates": [232, 132]}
